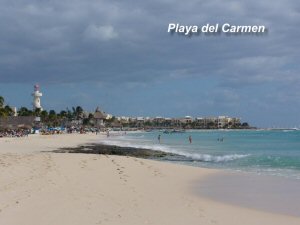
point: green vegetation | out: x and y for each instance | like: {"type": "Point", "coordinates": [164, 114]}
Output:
{"type": "Point", "coordinates": [5, 110]}
{"type": "Point", "coordinates": [48, 118]}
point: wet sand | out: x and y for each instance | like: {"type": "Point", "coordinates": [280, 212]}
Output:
{"type": "Point", "coordinates": [261, 192]}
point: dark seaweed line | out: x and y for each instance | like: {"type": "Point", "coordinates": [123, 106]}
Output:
{"type": "Point", "coordinates": [117, 150]}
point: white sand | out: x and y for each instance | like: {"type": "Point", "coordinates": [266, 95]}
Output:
{"type": "Point", "coordinates": [69, 189]}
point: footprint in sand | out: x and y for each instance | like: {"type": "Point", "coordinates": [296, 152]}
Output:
{"type": "Point", "coordinates": [83, 164]}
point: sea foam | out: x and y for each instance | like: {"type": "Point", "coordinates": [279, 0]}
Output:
{"type": "Point", "coordinates": [192, 156]}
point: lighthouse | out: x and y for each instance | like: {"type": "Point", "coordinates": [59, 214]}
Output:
{"type": "Point", "coordinates": [37, 98]}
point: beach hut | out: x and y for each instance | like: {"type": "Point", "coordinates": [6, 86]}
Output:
{"type": "Point", "coordinates": [99, 117]}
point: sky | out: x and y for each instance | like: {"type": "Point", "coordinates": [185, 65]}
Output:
{"type": "Point", "coordinates": [119, 56]}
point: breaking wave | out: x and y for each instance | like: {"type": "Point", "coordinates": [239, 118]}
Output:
{"type": "Point", "coordinates": [192, 156]}
{"type": "Point", "coordinates": [214, 158]}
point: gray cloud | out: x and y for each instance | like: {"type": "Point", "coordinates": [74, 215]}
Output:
{"type": "Point", "coordinates": [111, 40]}
{"type": "Point", "coordinates": [100, 33]}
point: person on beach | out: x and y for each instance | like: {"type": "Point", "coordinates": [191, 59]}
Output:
{"type": "Point", "coordinates": [158, 138]}
{"type": "Point", "coordinates": [190, 139]}
{"type": "Point", "coordinates": [107, 133]}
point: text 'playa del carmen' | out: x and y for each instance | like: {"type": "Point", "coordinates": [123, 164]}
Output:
{"type": "Point", "coordinates": [216, 29]}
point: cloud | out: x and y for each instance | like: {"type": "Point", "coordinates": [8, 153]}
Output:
{"type": "Point", "coordinates": [101, 33]}
{"type": "Point", "coordinates": [111, 41]}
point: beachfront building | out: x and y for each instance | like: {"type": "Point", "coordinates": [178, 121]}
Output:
{"type": "Point", "coordinates": [200, 123]}
{"type": "Point", "coordinates": [220, 122]}
{"type": "Point", "coordinates": [158, 121]}
{"type": "Point", "coordinates": [234, 122]}
{"type": "Point", "coordinates": [109, 116]}
{"type": "Point", "coordinates": [228, 122]}
{"type": "Point", "coordinates": [223, 121]}
{"type": "Point", "coordinates": [123, 120]}
{"type": "Point", "coordinates": [211, 122]}
{"type": "Point", "coordinates": [206, 123]}
{"type": "Point", "coordinates": [168, 122]}
{"type": "Point", "coordinates": [99, 118]}
{"type": "Point", "coordinates": [148, 119]}
{"type": "Point", "coordinates": [37, 98]}
{"type": "Point", "coordinates": [186, 120]}
{"type": "Point", "coordinates": [176, 122]}
{"type": "Point", "coordinates": [140, 121]}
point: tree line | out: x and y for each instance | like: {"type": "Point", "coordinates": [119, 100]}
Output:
{"type": "Point", "coordinates": [51, 117]}
{"type": "Point", "coordinates": [5, 110]}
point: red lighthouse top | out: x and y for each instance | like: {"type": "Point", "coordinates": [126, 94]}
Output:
{"type": "Point", "coordinates": [36, 87]}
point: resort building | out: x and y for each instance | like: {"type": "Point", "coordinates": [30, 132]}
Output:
{"type": "Point", "coordinates": [186, 120]}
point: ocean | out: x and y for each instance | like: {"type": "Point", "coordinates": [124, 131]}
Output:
{"type": "Point", "coordinates": [269, 152]}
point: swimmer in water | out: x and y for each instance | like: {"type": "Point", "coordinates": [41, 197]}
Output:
{"type": "Point", "coordinates": [190, 139]}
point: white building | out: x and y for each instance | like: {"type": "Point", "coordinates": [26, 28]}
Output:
{"type": "Point", "coordinates": [37, 98]}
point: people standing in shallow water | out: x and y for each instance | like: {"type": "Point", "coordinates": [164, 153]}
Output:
{"type": "Point", "coordinates": [158, 138]}
{"type": "Point", "coordinates": [190, 139]}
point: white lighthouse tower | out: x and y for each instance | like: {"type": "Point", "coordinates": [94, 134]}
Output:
{"type": "Point", "coordinates": [37, 98]}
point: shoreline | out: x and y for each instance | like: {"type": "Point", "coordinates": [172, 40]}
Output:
{"type": "Point", "coordinates": [40, 187]}
{"type": "Point", "coordinates": [243, 189]}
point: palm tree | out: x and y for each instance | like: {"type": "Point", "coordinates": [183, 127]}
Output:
{"type": "Point", "coordinates": [23, 111]}
{"type": "Point", "coordinates": [37, 112]}
{"type": "Point", "coordinates": [63, 114]}
{"type": "Point", "coordinates": [2, 112]}
{"type": "Point", "coordinates": [1, 102]}
{"type": "Point", "coordinates": [5, 110]}
{"type": "Point", "coordinates": [44, 115]}
{"type": "Point", "coordinates": [77, 112]}
{"type": "Point", "coordinates": [8, 111]}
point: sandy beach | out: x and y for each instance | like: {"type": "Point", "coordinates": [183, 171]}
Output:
{"type": "Point", "coordinates": [41, 187]}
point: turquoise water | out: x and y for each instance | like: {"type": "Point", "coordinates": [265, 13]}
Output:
{"type": "Point", "coordinates": [259, 151]}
